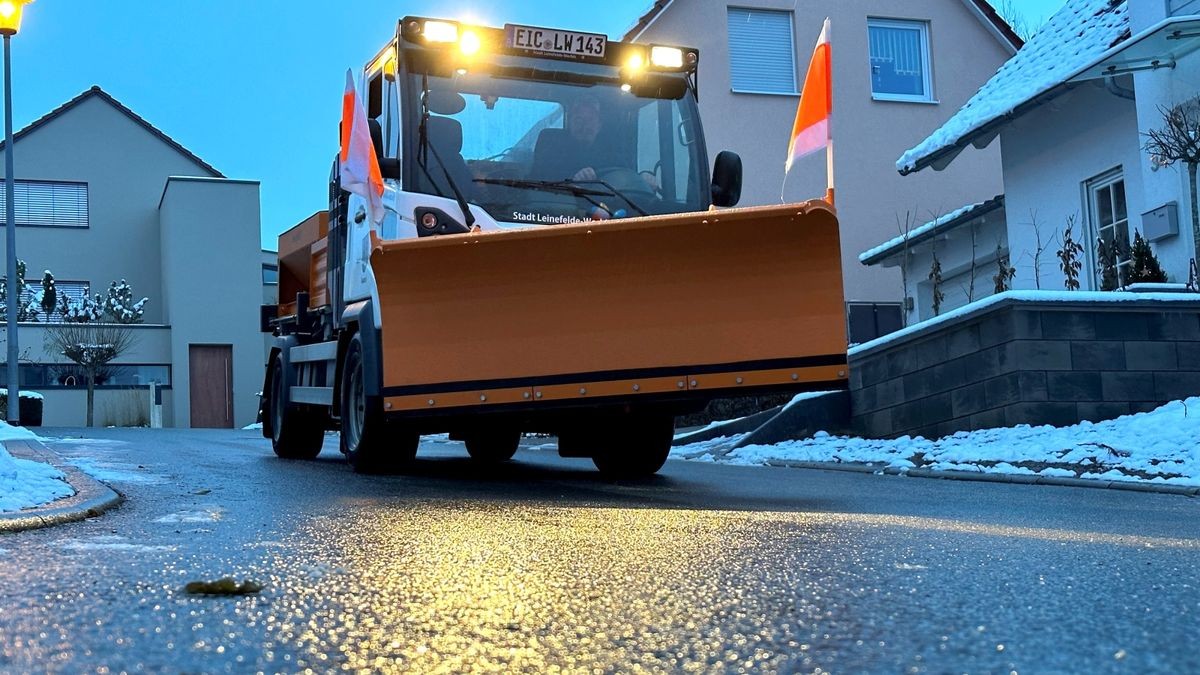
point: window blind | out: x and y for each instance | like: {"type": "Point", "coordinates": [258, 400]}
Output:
{"type": "Point", "coordinates": [48, 203]}
{"type": "Point", "coordinates": [762, 56]}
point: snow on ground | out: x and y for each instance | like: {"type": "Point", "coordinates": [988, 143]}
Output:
{"type": "Point", "coordinates": [256, 425]}
{"type": "Point", "coordinates": [1162, 446]}
{"type": "Point", "coordinates": [25, 483]}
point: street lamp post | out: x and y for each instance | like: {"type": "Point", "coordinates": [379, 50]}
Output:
{"type": "Point", "coordinates": [10, 23]}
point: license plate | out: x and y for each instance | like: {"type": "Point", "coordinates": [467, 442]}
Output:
{"type": "Point", "coordinates": [547, 41]}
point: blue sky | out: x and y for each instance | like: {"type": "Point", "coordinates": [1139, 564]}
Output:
{"type": "Point", "coordinates": [251, 86]}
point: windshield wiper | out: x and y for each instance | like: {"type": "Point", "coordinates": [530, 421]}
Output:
{"type": "Point", "coordinates": [611, 190]}
{"type": "Point", "coordinates": [573, 187]}
{"type": "Point", "coordinates": [549, 186]}
{"type": "Point", "coordinates": [427, 147]}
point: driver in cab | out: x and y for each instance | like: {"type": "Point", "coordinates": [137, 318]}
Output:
{"type": "Point", "coordinates": [573, 152]}
{"type": "Point", "coordinates": [578, 152]}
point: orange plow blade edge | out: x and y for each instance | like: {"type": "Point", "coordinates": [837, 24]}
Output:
{"type": "Point", "coordinates": [697, 305]}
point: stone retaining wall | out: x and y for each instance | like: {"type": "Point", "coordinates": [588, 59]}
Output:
{"type": "Point", "coordinates": [1028, 362]}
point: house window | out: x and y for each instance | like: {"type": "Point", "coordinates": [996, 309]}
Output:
{"type": "Point", "coordinates": [867, 321]}
{"type": "Point", "coordinates": [48, 204]}
{"type": "Point", "coordinates": [270, 273]}
{"type": "Point", "coordinates": [1109, 220]}
{"type": "Point", "coordinates": [71, 376]}
{"type": "Point", "coordinates": [900, 63]}
{"type": "Point", "coordinates": [762, 53]}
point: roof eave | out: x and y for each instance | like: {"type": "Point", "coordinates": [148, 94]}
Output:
{"type": "Point", "coordinates": [991, 205]}
{"type": "Point", "coordinates": [992, 128]}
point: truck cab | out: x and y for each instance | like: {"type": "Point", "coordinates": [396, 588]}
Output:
{"type": "Point", "coordinates": [527, 126]}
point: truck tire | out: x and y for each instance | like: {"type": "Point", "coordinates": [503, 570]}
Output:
{"type": "Point", "coordinates": [636, 446]}
{"type": "Point", "coordinates": [493, 446]}
{"type": "Point", "coordinates": [297, 432]}
{"type": "Point", "coordinates": [370, 443]}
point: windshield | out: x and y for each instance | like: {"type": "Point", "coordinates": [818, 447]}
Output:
{"type": "Point", "coordinates": [546, 152]}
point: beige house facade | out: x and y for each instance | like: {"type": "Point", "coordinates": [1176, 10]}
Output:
{"type": "Point", "coordinates": [102, 195]}
{"type": "Point", "coordinates": [900, 71]}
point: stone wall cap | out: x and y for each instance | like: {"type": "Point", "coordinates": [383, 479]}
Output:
{"type": "Point", "coordinates": [1056, 300]}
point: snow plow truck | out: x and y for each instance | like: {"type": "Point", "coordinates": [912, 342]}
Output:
{"type": "Point", "coordinates": [556, 256]}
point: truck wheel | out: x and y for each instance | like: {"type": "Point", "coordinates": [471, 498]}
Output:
{"type": "Point", "coordinates": [493, 446]}
{"type": "Point", "coordinates": [368, 441]}
{"type": "Point", "coordinates": [636, 447]}
{"type": "Point", "coordinates": [296, 432]}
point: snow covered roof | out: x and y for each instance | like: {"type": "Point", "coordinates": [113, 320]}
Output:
{"type": "Point", "coordinates": [1072, 40]}
{"type": "Point", "coordinates": [931, 229]}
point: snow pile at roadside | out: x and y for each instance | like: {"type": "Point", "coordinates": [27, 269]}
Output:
{"type": "Point", "coordinates": [23, 482]}
{"type": "Point", "coordinates": [1162, 446]}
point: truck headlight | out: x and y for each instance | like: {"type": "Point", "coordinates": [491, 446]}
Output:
{"type": "Point", "coordinates": [440, 31]}
{"type": "Point", "coordinates": [666, 57]}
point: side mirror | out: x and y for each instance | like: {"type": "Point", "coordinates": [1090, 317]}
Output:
{"type": "Point", "coordinates": [727, 179]}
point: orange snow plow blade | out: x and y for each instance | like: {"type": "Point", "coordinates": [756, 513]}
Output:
{"type": "Point", "coordinates": [698, 305]}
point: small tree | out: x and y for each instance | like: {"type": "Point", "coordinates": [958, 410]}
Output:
{"type": "Point", "coordinates": [1143, 264]}
{"type": "Point", "coordinates": [1068, 256]}
{"type": "Point", "coordinates": [905, 229]}
{"type": "Point", "coordinates": [1179, 141]}
{"type": "Point", "coordinates": [49, 294]}
{"type": "Point", "coordinates": [935, 276]}
{"type": "Point", "coordinates": [1004, 272]}
{"type": "Point", "coordinates": [1110, 262]}
{"type": "Point", "coordinates": [91, 346]}
{"type": "Point", "coordinates": [119, 306]}
{"type": "Point", "coordinates": [1040, 244]}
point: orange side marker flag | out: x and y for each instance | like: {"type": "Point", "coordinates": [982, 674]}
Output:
{"type": "Point", "coordinates": [360, 173]}
{"type": "Point", "coordinates": [812, 130]}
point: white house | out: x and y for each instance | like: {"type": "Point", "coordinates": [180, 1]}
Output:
{"type": "Point", "coordinates": [103, 195]}
{"type": "Point", "coordinates": [1071, 111]}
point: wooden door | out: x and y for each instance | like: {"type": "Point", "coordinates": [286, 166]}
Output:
{"type": "Point", "coordinates": [211, 371]}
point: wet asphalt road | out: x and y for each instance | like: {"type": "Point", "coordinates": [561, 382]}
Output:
{"type": "Point", "coordinates": [540, 565]}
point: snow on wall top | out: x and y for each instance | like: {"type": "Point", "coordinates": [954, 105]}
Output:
{"type": "Point", "coordinates": [918, 233]}
{"type": "Point", "coordinates": [1073, 39]}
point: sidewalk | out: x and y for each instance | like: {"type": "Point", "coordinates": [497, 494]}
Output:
{"type": "Point", "coordinates": [91, 497]}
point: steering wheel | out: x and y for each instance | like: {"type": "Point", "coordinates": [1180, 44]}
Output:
{"type": "Point", "coordinates": [627, 181]}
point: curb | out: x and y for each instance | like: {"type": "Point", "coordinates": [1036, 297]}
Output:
{"type": "Point", "coordinates": [1013, 478]}
{"type": "Point", "coordinates": [91, 497]}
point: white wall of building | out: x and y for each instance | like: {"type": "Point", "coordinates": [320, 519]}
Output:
{"type": "Point", "coordinates": [955, 251]}
{"type": "Point", "coordinates": [1049, 154]}
{"type": "Point", "coordinates": [212, 264]}
{"type": "Point", "coordinates": [1156, 89]}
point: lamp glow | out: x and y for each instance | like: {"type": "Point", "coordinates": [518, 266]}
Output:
{"type": "Point", "coordinates": [666, 57]}
{"type": "Point", "coordinates": [635, 62]}
{"type": "Point", "coordinates": [437, 31]}
{"type": "Point", "coordinates": [10, 16]}
{"type": "Point", "coordinates": [469, 43]}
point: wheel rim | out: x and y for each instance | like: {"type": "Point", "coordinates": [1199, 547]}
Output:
{"type": "Point", "coordinates": [356, 405]}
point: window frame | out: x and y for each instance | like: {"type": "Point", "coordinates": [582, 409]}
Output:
{"type": "Point", "coordinates": [1090, 188]}
{"type": "Point", "coordinates": [791, 16]}
{"type": "Point", "coordinates": [927, 54]}
{"type": "Point", "coordinates": [46, 366]}
{"type": "Point", "coordinates": [87, 194]}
